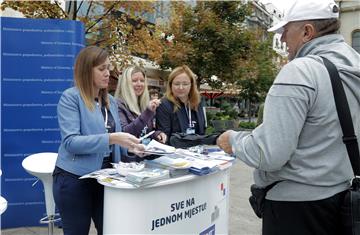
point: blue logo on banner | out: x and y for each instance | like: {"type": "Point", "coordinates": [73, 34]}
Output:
{"type": "Point", "coordinates": [37, 58]}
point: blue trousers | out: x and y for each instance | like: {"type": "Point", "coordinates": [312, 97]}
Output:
{"type": "Point", "coordinates": [78, 201]}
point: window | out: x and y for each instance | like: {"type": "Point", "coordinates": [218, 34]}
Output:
{"type": "Point", "coordinates": [355, 42]}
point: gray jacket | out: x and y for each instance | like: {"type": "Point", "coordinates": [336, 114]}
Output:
{"type": "Point", "coordinates": [300, 140]}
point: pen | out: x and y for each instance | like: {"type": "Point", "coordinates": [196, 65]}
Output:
{"type": "Point", "coordinates": [147, 135]}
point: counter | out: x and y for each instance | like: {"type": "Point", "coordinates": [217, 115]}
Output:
{"type": "Point", "coordinates": [187, 204]}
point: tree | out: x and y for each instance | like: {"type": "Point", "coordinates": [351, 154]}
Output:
{"type": "Point", "coordinates": [115, 25]}
{"type": "Point", "coordinates": [258, 71]}
{"type": "Point", "coordinates": [212, 38]}
{"type": "Point", "coordinates": [208, 37]}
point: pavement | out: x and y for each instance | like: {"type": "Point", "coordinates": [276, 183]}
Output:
{"type": "Point", "coordinates": [242, 219]}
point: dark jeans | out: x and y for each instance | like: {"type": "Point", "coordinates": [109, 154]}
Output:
{"type": "Point", "coordinates": [78, 201]}
{"type": "Point", "coordinates": [321, 217]}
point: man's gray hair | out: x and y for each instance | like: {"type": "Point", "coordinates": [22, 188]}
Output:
{"type": "Point", "coordinates": [325, 26]}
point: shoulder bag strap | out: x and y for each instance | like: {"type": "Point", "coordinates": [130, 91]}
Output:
{"type": "Point", "coordinates": [342, 108]}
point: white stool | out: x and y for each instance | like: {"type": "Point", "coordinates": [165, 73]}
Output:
{"type": "Point", "coordinates": [3, 205]}
{"type": "Point", "coordinates": [42, 166]}
{"type": "Point", "coordinates": [3, 202]}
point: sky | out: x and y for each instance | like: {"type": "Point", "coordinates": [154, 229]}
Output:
{"type": "Point", "coordinates": [280, 4]}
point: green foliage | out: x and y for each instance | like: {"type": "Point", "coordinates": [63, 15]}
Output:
{"type": "Point", "coordinates": [258, 71]}
{"type": "Point", "coordinates": [210, 38]}
{"type": "Point", "coordinates": [210, 116]}
{"type": "Point", "coordinates": [228, 112]}
{"type": "Point", "coordinates": [209, 130]}
{"type": "Point", "coordinates": [222, 116]}
{"type": "Point", "coordinates": [247, 125]}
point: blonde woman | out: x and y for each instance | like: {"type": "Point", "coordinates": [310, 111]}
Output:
{"type": "Point", "coordinates": [136, 110]}
{"type": "Point", "coordinates": [181, 111]}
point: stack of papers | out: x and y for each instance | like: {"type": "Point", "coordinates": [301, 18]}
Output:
{"type": "Point", "coordinates": [123, 168]}
{"type": "Point", "coordinates": [147, 176]}
{"type": "Point", "coordinates": [109, 176]}
{"type": "Point", "coordinates": [136, 178]}
{"type": "Point", "coordinates": [202, 164]}
{"type": "Point", "coordinates": [174, 172]}
{"type": "Point", "coordinates": [175, 163]}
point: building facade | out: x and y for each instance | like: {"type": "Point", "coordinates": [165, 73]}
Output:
{"type": "Point", "coordinates": [350, 22]}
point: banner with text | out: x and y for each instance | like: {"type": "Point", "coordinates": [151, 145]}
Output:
{"type": "Point", "coordinates": [37, 58]}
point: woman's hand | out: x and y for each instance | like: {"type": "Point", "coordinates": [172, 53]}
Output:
{"type": "Point", "coordinates": [153, 104]}
{"type": "Point", "coordinates": [123, 139]}
{"type": "Point", "coordinates": [161, 137]}
{"type": "Point", "coordinates": [128, 141]}
{"type": "Point", "coordinates": [138, 149]}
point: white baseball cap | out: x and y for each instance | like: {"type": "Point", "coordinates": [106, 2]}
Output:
{"type": "Point", "coordinates": [307, 10]}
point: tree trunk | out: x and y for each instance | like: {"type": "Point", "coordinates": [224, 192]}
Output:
{"type": "Point", "coordinates": [249, 110]}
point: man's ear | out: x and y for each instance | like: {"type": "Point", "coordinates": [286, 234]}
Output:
{"type": "Point", "coordinates": [309, 32]}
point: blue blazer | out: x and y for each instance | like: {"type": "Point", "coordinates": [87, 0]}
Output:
{"type": "Point", "coordinates": [84, 140]}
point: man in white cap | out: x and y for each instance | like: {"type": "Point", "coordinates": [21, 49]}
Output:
{"type": "Point", "coordinates": [299, 145]}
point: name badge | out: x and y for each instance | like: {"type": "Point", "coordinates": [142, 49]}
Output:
{"type": "Point", "coordinates": [190, 131]}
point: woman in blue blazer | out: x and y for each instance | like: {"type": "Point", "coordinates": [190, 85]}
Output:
{"type": "Point", "coordinates": [90, 140]}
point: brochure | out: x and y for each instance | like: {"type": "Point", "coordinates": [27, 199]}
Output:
{"type": "Point", "coordinates": [155, 147]}
{"type": "Point", "coordinates": [147, 176]}
{"type": "Point", "coordinates": [174, 172]}
{"type": "Point", "coordinates": [175, 163]}
{"type": "Point", "coordinates": [108, 175]}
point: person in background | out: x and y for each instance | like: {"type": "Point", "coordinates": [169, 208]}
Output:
{"type": "Point", "coordinates": [180, 110]}
{"type": "Point", "coordinates": [113, 81]}
{"type": "Point", "coordinates": [136, 110]}
{"type": "Point", "coordinates": [154, 94]}
{"type": "Point", "coordinates": [90, 140]}
{"type": "Point", "coordinates": [260, 114]}
{"type": "Point", "coordinates": [299, 144]}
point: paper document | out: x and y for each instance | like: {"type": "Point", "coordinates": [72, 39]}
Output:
{"type": "Point", "coordinates": [155, 147]}
{"type": "Point", "coordinates": [176, 163]}
{"type": "Point", "coordinates": [147, 176]}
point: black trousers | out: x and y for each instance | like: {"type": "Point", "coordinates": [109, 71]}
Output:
{"type": "Point", "coordinates": [322, 217]}
{"type": "Point", "coordinates": [78, 201]}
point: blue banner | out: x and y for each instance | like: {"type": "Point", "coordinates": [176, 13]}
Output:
{"type": "Point", "coordinates": [37, 58]}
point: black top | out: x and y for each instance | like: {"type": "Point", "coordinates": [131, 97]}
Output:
{"type": "Point", "coordinates": [110, 128]}
{"type": "Point", "coordinates": [170, 122]}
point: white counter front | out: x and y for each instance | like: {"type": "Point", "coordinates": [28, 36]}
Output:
{"type": "Point", "coordinates": [185, 205]}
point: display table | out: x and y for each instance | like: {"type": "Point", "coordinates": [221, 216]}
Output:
{"type": "Point", "coordinates": [188, 204]}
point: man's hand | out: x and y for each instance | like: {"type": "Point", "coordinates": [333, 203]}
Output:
{"type": "Point", "coordinates": [224, 142]}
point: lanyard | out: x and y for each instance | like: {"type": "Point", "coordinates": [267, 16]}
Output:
{"type": "Point", "coordinates": [106, 117]}
{"type": "Point", "coordinates": [106, 113]}
{"type": "Point", "coordinates": [189, 116]}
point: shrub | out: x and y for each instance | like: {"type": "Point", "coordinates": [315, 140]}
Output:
{"type": "Point", "coordinates": [247, 125]}
{"type": "Point", "coordinates": [209, 130]}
